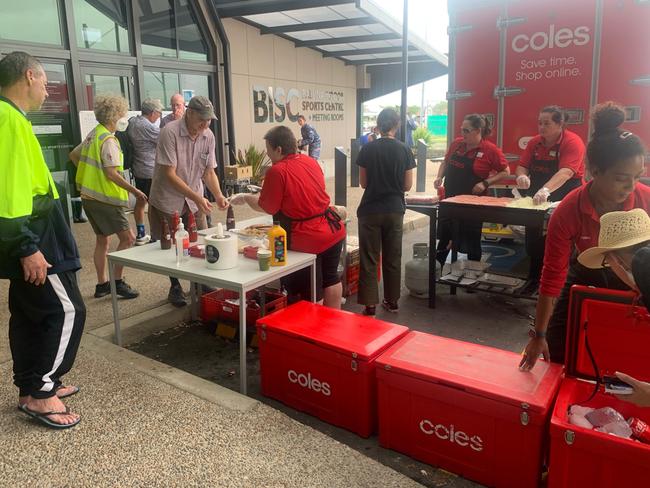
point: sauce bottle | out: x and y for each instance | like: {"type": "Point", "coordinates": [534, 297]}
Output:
{"type": "Point", "coordinates": [182, 239]}
{"type": "Point", "coordinates": [278, 245]}
{"type": "Point", "coordinates": [166, 237]}
{"type": "Point", "coordinates": [175, 220]}
{"type": "Point", "coordinates": [191, 228]}
{"type": "Point", "coordinates": [230, 218]}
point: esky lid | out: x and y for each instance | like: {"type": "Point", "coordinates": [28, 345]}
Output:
{"type": "Point", "coordinates": [338, 330]}
{"type": "Point", "coordinates": [477, 369]}
{"type": "Point", "coordinates": [618, 333]}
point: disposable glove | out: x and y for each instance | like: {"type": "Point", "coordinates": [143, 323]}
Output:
{"type": "Point", "coordinates": [541, 196]}
{"type": "Point", "coordinates": [523, 182]}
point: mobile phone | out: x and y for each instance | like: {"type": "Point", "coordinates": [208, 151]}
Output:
{"type": "Point", "coordinates": [616, 387]}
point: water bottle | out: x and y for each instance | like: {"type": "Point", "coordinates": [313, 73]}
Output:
{"type": "Point", "coordinates": [182, 238]}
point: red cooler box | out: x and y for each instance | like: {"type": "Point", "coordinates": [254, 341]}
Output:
{"type": "Point", "coordinates": [466, 408]}
{"type": "Point", "coordinates": [618, 335]}
{"type": "Point", "coordinates": [322, 361]}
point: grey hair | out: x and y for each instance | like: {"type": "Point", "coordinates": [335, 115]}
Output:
{"type": "Point", "coordinates": [150, 105]}
{"type": "Point", "coordinates": [14, 65]}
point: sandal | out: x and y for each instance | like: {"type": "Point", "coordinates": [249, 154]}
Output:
{"type": "Point", "coordinates": [75, 390]}
{"type": "Point", "coordinates": [43, 417]}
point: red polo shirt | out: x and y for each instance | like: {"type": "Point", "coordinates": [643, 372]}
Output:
{"type": "Point", "coordinates": [488, 158]}
{"type": "Point", "coordinates": [296, 186]}
{"type": "Point", "coordinates": [569, 148]}
{"type": "Point", "coordinates": [575, 225]}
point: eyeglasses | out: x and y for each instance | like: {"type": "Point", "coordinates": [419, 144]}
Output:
{"type": "Point", "coordinates": [465, 130]}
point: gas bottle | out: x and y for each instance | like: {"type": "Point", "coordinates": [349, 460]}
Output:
{"type": "Point", "coordinates": [416, 274]}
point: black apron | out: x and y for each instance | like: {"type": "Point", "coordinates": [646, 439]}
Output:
{"type": "Point", "coordinates": [577, 275]}
{"type": "Point", "coordinates": [541, 170]}
{"type": "Point", "coordinates": [333, 220]}
{"type": "Point", "coordinates": [460, 179]}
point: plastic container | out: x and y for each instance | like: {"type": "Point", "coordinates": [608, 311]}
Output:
{"type": "Point", "coordinates": [466, 408]}
{"type": "Point", "coordinates": [278, 245]}
{"type": "Point", "coordinates": [322, 361]}
{"type": "Point", "coordinates": [215, 307]}
{"type": "Point", "coordinates": [182, 239]}
{"type": "Point", "coordinates": [618, 334]}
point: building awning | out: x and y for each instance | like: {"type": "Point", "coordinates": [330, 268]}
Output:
{"type": "Point", "coordinates": [357, 32]}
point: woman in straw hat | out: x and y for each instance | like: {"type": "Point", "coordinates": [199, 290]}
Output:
{"type": "Point", "coordinates": [623, 246]}
{"type": "Point", "coordinates": [616, 162]}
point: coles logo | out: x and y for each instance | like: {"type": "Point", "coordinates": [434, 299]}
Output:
{"type": "Point", "coordinates": [307, 381]}
{"type": "Point", "coordinates": [563, 37]}
{"type": "Point", "coordinates": [451, 434]}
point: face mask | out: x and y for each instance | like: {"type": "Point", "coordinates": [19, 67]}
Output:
{"type": "Point", "coordinates": [122, 124]}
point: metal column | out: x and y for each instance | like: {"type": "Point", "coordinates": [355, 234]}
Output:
{"type": "Point", "coordinates": [340, 177]}
{"type": "Point", "coordinates": [355, 147]}
{"type": "Point", "coordinates": [405, 63]}
{"type": "Point", "coordinates": [422, 166]}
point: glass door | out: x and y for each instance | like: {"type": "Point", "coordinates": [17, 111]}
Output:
{"type": "Point", "coordinates": [97, 81]}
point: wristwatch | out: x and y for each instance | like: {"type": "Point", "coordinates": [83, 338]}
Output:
{"type": "Point", "coordinates": [534, 334]}
{"type": "Point", "coordinates": [485, 182]}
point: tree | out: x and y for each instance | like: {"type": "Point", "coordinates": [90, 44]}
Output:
{"type": "Point", "coordinates": [439, 108]}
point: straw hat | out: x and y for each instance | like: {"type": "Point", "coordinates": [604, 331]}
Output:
{"type": "Point", "coordinates": [617, 231]}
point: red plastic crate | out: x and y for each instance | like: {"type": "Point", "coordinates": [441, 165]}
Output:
{"type": "Point", "coordinates": [618, 335]}
{"type": "Point", "coordinates": [322, 361]}
{"type": "Point", "coordinates": [466, 408]}
{"type": "Point", "coordinates": [215, 307]}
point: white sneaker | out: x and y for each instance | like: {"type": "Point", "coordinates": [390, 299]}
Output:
{"type": "Point", "coordinates": [139, 241]}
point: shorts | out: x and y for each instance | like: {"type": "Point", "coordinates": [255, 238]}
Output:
{"type": "Point", "coordinates": [104, 218]}
{"type": "Point", "coordinates": [298, 284]}
{"type": "Point", "coordinates": [144, 185]}
{"type": "Point", "coordinates": [156, 217]}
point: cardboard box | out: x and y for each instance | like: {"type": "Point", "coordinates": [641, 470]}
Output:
{"type": "Point", "coordinates": [466, 408]}
{"type": "Point", "coordinates": [238, 172]}
{"type": "Point", "coordinates": [618, 334]}
{"type": "Point", "coordinates": [322, 361]}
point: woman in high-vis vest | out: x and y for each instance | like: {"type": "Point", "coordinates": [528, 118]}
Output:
{"type": "Point", "coordinates": [104, 191]}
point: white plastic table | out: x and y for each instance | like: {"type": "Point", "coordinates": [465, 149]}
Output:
{"type": "Point", "coordinates": [241, 279]}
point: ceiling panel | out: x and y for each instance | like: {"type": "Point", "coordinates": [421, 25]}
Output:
{"type": "Point", "coordinates": [273, 19]}
{"type": "Point", "coordinates": [349, 11]}
{"type": "Point", "coordinates": [319, 14]}
{"type": "Point", "coordinates": [308, 35]}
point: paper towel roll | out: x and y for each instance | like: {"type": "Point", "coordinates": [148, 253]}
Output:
{"type": "Point", "coordinates": [221, 252]}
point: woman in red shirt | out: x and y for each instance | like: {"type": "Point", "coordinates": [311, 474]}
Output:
{"type": "Point", "coordinates": [471, 165]}
{"type": "Point", "coordinates": [294, 193]}
{"type": "Point", "coordinates": [616, 162]}
{"type": "Point", "coordinates": [550, 168]}
{"type": "Point", "coordinates": [553, 163]}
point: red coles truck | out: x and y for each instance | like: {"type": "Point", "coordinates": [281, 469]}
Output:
{"type": "Point", "coordinates": [510, 58]}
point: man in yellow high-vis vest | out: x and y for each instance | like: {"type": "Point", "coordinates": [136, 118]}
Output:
{"type": "Point", "coordinates": [38, 253]}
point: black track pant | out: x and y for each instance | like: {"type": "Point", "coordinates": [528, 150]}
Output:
{"type": "Point", "coordinates": [44, 331]}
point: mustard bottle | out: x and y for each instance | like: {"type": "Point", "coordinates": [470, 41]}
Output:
{"type": "Point", "coordinates": [278, 244]}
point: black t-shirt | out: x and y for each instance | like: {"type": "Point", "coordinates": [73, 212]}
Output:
{"type": "Point", "coordinates": [385, 160]}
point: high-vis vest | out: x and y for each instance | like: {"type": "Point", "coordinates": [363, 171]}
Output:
{"type": "Point", "coordinates": [23, 172]}
{"type": "Point", "coordinates": [91, 180]}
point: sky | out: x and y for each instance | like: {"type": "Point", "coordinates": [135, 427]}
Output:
{"type": "Point", "coordinates": [429, 20]}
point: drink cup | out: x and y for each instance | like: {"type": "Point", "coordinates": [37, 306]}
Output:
{"type": "Point", "coordinates": [264, 259]}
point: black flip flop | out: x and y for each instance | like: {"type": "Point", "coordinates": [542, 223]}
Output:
{"type": "Point", "coordinates": [43, 418]}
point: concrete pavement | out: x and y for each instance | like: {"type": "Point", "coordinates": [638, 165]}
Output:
{"type": "Point", "coordinates": [147, 424]}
